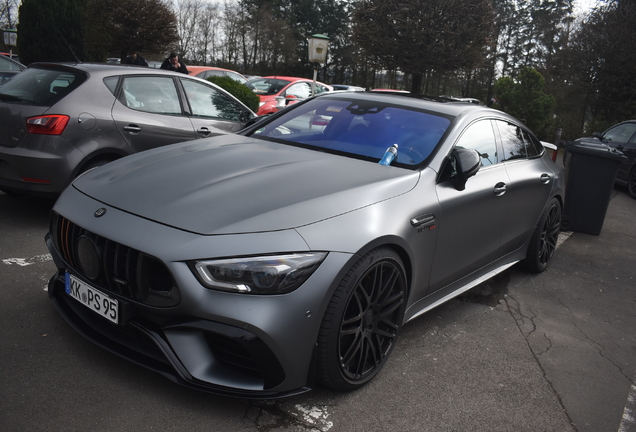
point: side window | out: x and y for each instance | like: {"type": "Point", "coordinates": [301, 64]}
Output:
{"type": "Point", "coordinates": [156, 95]}
{"type": "Point", "coordinates": [206, 101]}
{"type": "Point", "coordinates": [236, 77]}
{"type": "Point", "coordinates": [621, 133]}
{"type": "Point", "coordinates": [300, 90]}
{"type": "Point", "coordinates": [321, 89]}
{"type": "Point", "coordinates": [111, 83]}
{"type": "Point", "coordinates": [514, 146]}
{"type": "Point", "coordinates": [480, 136]}
{"type": "Point", "coordinates": [214, 72]}
{"type": "Point", "coordinates": [533, 146]}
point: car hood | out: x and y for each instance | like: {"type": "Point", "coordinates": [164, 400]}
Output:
{"type": "Point", "coordinates": [232, 184]}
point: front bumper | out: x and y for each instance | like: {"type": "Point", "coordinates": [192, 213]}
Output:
{"type": "Point", "coordinates": [235, 361]}
{"type": "Point", "coordinates": [253, 346]}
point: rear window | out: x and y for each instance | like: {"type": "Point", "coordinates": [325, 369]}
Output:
{"type": "Point", "coordinates": [41, 87]}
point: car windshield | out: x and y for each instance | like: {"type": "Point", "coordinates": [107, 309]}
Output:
{"type": "Point", "coordinates": [266, 86]}
{"type": "Point", "coordinates": [362, 129]}
{"type": "Point", "coordinates": [41, 87]}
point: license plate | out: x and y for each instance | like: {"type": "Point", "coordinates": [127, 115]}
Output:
{"type": "Point", "coordinates": [92, 298]}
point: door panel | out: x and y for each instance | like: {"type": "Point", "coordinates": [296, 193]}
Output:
{"type": "Point", "coordinates": [470, 225]}
{"type": "Point", "coordinates": [530, 184]}
{"type": "Point", "coordinates": [148, 113]}
{"type": "Point", "coordinates": [213, 113]}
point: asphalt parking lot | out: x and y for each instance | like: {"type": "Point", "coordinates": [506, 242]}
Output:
{"type": "Point", "coordinates": [549, 352]}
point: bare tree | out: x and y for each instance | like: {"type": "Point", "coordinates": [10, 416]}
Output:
{"type": "Point", "coordinates": [8, 14]}
{"type": "Point", "coordinates": [188, 14]}
{"type": "Point", "coordinates": [207, 34]}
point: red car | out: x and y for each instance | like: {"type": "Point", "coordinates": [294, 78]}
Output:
{"type": "Point", "coordinates": [208, 71]}
{"type": "Point", "coordinates": [278, 91]}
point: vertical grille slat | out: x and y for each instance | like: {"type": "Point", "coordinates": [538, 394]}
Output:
{"type": "Point", "coordinates": [122, 266]}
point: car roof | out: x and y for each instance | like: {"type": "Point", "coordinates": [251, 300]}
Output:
{"type": "Point", "coordinates": [442, 106]}
{"type": "Point", "coordinates": [105, 69]}
{"type": "Point", "coordinates": [285, 78]}
{"type": "Point", "coordinates": [197, 69]}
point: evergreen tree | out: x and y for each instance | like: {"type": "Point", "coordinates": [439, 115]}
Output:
{"type": "Point", "coordinates": [122, 26]}
{"type": "Point", "coordinates": [51, 30]}
{"type": "Point", "coordinates": [420, 36]}
{"type": "Point", "coordinates": [525, 99]}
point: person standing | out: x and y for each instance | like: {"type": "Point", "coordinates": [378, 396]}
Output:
{"type": "Point", "coordinates": [135, 59]}
{"type": "Point", "coordinates": [172, 63]}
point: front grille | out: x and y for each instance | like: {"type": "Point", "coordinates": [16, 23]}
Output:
{"type": "Point", "coordinates": [121, 269]}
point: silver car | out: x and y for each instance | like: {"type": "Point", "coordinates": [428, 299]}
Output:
{"type": "Point", "coordinates": [59, 120]}
{"type": "Point", "coordinates": [257, 263]}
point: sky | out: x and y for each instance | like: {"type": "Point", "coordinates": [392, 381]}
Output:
{"type": "Point", "coordinates": [584, 6]}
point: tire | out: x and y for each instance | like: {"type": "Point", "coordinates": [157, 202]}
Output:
{"type": "Point", "coordinates": [631, 183]}
{"type": "Point", "coordinates": [362, 322]}
{"type": "Point", "coordinates": [544, 239]}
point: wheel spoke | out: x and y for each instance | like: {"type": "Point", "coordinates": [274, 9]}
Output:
{"type": "Point", "coordinates": [391, 304]}
{"type": "Point", "coordinates": [354, 348]}
{"type": "Point", "coordinates": [362, 359]}
{"type": "Point", "coordinates": [348, 321]}
{"type": "Point", "coordinates": [385, 333]}
{"type": "Point", "coordinates": [388, 285]}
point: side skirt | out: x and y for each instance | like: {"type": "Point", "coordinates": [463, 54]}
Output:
{"type": "Point", "coordinates": [473, 283]}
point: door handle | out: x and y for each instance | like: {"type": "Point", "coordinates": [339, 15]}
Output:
{"type": "Point", "coordinates": [204, 131]}
{"type": "Point", "coordinates": [500, 189]}
{"type": "Point", "coordinates": [545, 178]}
{"type": "Point", "coordinates": [132, 128]}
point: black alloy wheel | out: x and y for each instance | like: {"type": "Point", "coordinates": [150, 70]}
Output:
{"type": "Point", "coordinates": [362, 322]}
{"type": "Point", "coordinates": [544, 239]}
{"type": "Point", "coordinates": [631, 183]}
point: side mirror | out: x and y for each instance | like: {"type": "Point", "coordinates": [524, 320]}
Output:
{"type": "Point", "coordinates": [255, 120]}
{"type": "Point", "coordinates": [467, 163]}
{"type": "Point", "coordinates": [598, 135]}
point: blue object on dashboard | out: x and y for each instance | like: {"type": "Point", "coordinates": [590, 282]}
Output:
{"type": "Point", "coordinates": [389, 155]}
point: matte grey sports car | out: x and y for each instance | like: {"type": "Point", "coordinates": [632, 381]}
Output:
{"type": "Point", "coordinates": [252, 264]}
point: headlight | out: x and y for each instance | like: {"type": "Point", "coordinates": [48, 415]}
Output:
{"type": "Point", "coordinates": [276, 274]}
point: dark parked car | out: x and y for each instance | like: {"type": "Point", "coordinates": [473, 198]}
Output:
{"type": "Point", "coordinates": [622, 137]}
{"type": "Point", "coordinates": [251, 264]}
{"type": "Point", "coordinates": [59, 120]}
{"type": "Point", "coordinates": [9, 68]}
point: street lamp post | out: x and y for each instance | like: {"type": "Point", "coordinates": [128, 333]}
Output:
{"type": "Point", "coordinates": [318, 44]}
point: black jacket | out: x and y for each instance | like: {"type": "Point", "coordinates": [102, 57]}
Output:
{"type": "Point", "coordinates": [168, 65]}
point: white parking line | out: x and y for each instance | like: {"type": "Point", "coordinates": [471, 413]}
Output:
{"type": "Point", "coordinates": [27, 261]}
{"type": "Point", "coordinates": [315, 416]}
{"type": "Point", "coordinates": [563, 236]}
{"type": "Point", "coordinates": [628, 423]}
